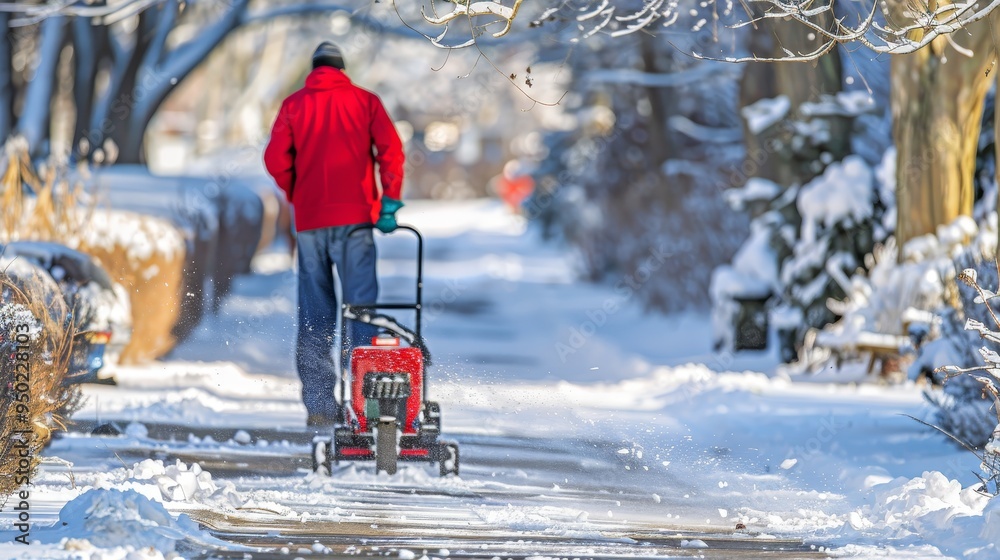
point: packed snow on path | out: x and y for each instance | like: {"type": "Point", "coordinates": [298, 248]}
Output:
{"type": "Point", "coordinates": [578, 414]}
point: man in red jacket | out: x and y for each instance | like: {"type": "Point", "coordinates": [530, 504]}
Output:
{"type": "Point", "coordinates": [321, 155]}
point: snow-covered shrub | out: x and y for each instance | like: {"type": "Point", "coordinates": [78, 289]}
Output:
{"type": "Point", "coordinates": [804, 246]}
{"type": "Point", "coordinates": [895, 301]}
{"type": "Point", "coordinates": [963, 411]}
{"type": "Point", "coordinates": [224, 220]}
{"type": "Point", "coordinates": [97, 303]}
{"type": "Point", "coordinates": [36, 339]}
{"type": "Point", "coordinates": [189, 205]}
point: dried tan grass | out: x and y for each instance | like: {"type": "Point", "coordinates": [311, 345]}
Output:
{"type": "Point", "coordinates": [27, 427]}
{"type": "Point", "coordinates": [57, 212]}
{"type": "Point", "coordinates": [14, 177]}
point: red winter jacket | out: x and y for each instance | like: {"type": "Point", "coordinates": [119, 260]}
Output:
{"type": "Point", "coordinates": [320, 152]}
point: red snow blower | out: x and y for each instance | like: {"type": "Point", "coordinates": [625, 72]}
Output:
{"type": "Point", "coordinates": [388, 417]}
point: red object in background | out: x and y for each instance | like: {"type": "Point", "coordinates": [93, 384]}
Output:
{"type": "Point", "coordinates": [387, 359]}
{"type": "Point", "coordinates": [513, 190]}
{"type": "Point", "coordinates": [320, 152]}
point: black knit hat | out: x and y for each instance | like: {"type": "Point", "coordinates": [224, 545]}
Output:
{"type": "Point", "coordinates": [328, 54]}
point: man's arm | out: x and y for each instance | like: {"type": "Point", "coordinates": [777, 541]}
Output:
{"type": "Point", "coordinates": [279, 155]}
{"type": "Point", "coordinates": [388, 151]}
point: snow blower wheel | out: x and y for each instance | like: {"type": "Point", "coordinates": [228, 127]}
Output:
{"type": "Point", "coordinates": [322, 456]}
{"type": "Point", "coordinates": [386, 418]}
{"type": "Point", "coordinates": [385, 446]}
{"type": "Point", "coordinates": [448, 458]}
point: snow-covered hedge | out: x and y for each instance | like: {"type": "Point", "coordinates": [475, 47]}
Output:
{"type": "Point", "coordinates": [161, 238]}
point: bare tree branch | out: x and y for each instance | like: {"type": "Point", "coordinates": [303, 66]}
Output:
{"type": "Point", "coordinates": [168, 17]}
{"type": "Point", "coordinates": [477, 9]}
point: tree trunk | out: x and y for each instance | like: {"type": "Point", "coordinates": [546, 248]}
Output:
{"type": "Point", "coordinates": [90, 51]}
{"type": "Point", "coordinates": [6, 79]}
{"type": "Point", "coordinates": [157, 78]}
{"type": "Point", "coordinates": [662, 145]}
{"type": "Point", "coordinates": [937, 109]}
{"type": "Point", "coordinates": [34, 119]}
{"type": "Point", "coordinates": [127, 94]}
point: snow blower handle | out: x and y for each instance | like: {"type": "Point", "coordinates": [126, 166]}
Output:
{"type": "Point", "coordinates": [417, 305]}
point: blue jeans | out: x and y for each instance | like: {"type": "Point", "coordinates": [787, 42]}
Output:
{"type": "Point", "coordinates": [321, 255]}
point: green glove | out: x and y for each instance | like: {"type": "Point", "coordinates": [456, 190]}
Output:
{"type": "Point", "coordinates": [387, 217]}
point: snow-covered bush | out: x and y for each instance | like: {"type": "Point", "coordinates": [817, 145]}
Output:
{"type": "Point", "coordinates": [97, 303]}
{"type": "Point", "coordinates": [146, 255]}
{"type": "Point", "coordinates": [833, 146]}
{"type": "Point", "coordinates": [36, 339]}
{"type": "Point", "coordinates": [222, 216]}
{"type": "Point", "coordinates": [962, 409]}
{"type": "Point", "coordinates": [891, 301]}
{"type": "Point", "coordinates": [804, 245]}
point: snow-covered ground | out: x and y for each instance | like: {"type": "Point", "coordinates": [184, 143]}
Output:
{"type": "Point", "coordinates": [582, 419]}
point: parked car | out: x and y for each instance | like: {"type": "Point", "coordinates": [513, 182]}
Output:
{"type": "Point", "coordinates": [98, 307]}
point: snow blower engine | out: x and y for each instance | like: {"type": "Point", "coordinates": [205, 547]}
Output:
{"type": "Point", "coordinates": [388, 417]}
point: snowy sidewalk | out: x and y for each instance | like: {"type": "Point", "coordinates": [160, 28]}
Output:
{"type": "Point", "coordinates": [560, 393]}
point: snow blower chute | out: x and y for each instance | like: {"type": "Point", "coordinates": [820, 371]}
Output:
{"type": "Point", "coordinates": [387, 417]}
